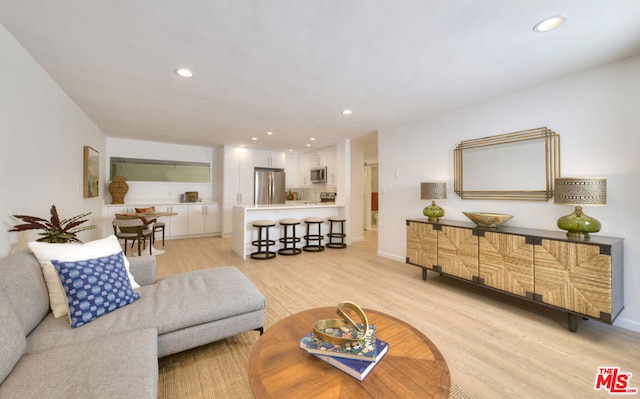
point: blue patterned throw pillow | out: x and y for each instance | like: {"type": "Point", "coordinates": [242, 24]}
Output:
{"type": "Point", "coordinates": [95, 287]}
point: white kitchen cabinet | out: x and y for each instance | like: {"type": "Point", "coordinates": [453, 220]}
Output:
{"type": "Point", "coordinates": [112, 210]}
{"type": "Point", "coordinates": [177, 225]}
{"type": "Point", "coordinates": [196, 219]}
{"type": "Point", "coordinates": [109, 213]}
{"type": "Point", "coordinates": [291, 171]}
{"type": "Point", "coordinates": [238, 175]}
{"type": "Point", "coordinates": [269, 159]}
{"type": "Point", "coordinates": [328, 159]}
{"type": "Point", "coordinates": [204, 219]}
{"type": "Point", "coordinates": [304, 165]}
{"type": "Point", "coordinates": [237, 182]}
{"type": "Point", "coordinates": [190, 219]}
{"type": "Point", "coordinates": [227, 219]}
{"type": "Point", "coordinates": [212, 219]}
{"type": "Point", "coordinates": [323, 157]}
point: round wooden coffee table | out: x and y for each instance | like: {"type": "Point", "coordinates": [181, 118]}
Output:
{"type": "Point", "coordinates": [412, 368]}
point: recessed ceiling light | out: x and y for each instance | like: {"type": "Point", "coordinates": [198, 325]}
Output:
{"type": "Point", "coordinates": [269, 133]}
{"type": "Point", "coordinates": [312, 139]}
{"type": "Point", "coordinates": [347, 112]}
{"type": "Point", "coordinates": [184, 72]}
{"type": "Point", "coordinates": [290, 150]}
{"type": "Point", "coordinates": [308, 145]}
{"type": "Point", "coordinates": [254, 138]}
{"type": "Point", "coordinates": [550, 23]}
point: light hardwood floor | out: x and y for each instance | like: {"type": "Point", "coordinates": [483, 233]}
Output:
{"type": "Point", "coordinates": [496, 346]}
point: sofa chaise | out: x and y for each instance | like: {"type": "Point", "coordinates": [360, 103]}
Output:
{"type": "Point", "coordinates": [116, 354]}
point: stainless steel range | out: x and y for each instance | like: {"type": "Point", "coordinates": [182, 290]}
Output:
{"type": "Point", "coordinates": [327, 197]}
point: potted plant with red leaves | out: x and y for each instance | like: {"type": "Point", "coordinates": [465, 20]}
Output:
{"type": "Point", "coordinates": [54, 230]}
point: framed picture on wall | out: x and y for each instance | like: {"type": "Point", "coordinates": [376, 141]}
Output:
{"type": "Point", "coordinates": [91, 172]}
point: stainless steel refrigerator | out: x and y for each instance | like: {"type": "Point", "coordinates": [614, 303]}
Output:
{"type": "Point", "coordinates": [269, 186]}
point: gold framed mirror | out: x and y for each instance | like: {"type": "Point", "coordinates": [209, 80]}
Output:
{"type": "Point", "coordinates": [520, 165]}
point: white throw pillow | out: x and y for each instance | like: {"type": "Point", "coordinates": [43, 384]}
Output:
{"type": "Point", "coordinates": [45, 252]}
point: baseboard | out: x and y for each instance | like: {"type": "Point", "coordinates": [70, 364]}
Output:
{"type": "Point", "coordinates": [627, 324]}
{"type": "Point", "coordinates": [391, 256]}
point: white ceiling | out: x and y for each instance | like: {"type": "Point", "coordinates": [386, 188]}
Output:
{"type": "Point", "coordinates": [291, 66]}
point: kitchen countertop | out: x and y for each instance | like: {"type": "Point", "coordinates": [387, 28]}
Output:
{"type": "Point", "coordinates": [290, 206]}
{"type": "Point", "coordinates": [160, 203]}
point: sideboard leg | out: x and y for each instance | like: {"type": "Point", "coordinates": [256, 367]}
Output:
{"type": "Point", "coordinates": [424, 273]}
{"type": "Point", "coordinates": [573, 322]}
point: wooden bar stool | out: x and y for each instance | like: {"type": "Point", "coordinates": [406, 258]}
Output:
{"type": "Point", "coordinates": [263, 245]}
{"type": "Point", "coordinates": [338, 236]}
{"type": "Point", "coordinates": [289, 241]}
{"type": "Point", "coordinates": [311, 238]}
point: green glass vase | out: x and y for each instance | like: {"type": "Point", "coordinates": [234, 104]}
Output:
{"type": "Point", "coordinates": [578, 224]}
{"type": "Point", "coordinates": [433, 212]}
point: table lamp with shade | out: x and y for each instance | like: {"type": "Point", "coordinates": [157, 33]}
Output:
{"type": "Point", "coordinates": [579, 191]}
{"type": "Point", "coordinates": [433, 191]}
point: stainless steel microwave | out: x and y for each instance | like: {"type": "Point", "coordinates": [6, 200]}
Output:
{"type": "Point", "coordinates": [318, 175]}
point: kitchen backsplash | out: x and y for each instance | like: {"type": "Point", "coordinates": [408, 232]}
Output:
{"type": "Point", "coordinates": [310, 194]}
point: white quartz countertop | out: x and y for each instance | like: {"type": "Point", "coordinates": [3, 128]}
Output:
{"type": "Point", "coordinates": [159, 203]}
{"type": "Point", "coordinates": [288, 206]}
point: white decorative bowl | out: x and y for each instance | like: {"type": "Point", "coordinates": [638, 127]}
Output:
{"type": "Point", "coordinates": [485, 219]}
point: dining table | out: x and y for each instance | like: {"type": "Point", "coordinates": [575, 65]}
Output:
{"type": "Point", "coordinates": [149, 218]}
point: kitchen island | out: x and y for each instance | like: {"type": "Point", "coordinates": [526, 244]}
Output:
{"type": "Point", "coordinates": [243, 232]}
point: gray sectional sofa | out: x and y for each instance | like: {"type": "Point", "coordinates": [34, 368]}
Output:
{"type": "Point", "coordinates": [115, 355]}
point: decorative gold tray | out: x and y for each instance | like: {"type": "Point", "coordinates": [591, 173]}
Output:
{"type": "Point", "coordinates": [485, 219]}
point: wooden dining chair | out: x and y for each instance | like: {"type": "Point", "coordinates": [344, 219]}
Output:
{"type": "Point", "coordinates": [131, 227]}
{"type": "Point", "coordinates": [157, 226]}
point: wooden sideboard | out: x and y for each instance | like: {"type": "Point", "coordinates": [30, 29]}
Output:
{"type": "Point", "coordinates": [582, 277]}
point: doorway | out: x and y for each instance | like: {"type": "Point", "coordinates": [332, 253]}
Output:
{"type": "Point", "coordinates": [371, 196]}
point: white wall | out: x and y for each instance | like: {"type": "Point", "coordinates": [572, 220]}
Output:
{"type": "Point", "coordinates": [596, 115]}
{"type": "Point", "coordinates": [162, 192]}
{"type": "Point", "coordinates": [355, 171]}
{"type": "Point", "coordinates": [43, 134]}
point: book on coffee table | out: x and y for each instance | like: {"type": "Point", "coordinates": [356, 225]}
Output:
{"type": "Point", "coordinates": [357, 368]}
{"type": "Point", "coordinates": [365, 350]}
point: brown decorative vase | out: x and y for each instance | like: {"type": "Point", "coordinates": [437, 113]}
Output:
{"type": "Point", "coordinates": [118, 189]}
